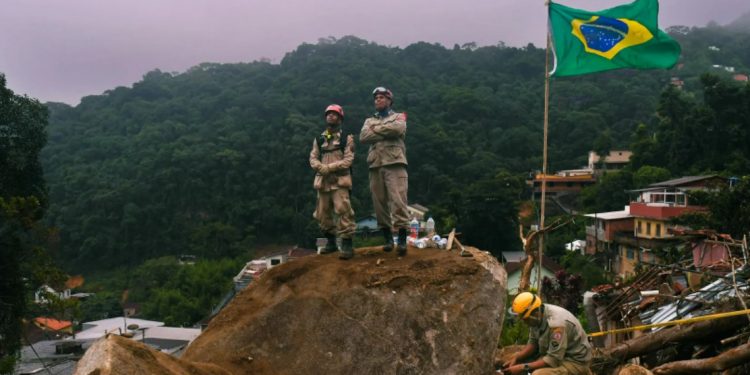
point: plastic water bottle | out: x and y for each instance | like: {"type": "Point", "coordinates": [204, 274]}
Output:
{"type": "Point", "coordinates": [414, 227]}
{"type": "Point", "coordinates": [430, 226]}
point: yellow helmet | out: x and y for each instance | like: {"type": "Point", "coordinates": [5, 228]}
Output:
{"type": "Point", "coordinates": [525, 303]}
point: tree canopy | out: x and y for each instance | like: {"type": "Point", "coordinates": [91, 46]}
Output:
{"type": "Point", "coordinates": [214, 160]}
{"type": "Point", "coordinates": [22, 196]}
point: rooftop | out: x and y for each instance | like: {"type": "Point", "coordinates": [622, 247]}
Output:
{"type": "Point", "coordinates": [52, 324]}
{"type": "Point", "coordinates": [43, 355]}
{"type": "Point", "coordinates": [513, 256]}
{"type": "Point", "coordinates": [612, 215]}
{"type": "Point", "coordinates": [98, 328]}
{"type": "Point", "coordinates": [552, 177]}
{"type": "Point", "coordinates": [682, 181]}
{"type": "Point", "coordinates": [547, 263]}
{"type": "Point", "coordinates": [615, 156]}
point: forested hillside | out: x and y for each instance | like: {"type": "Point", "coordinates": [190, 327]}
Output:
{"type": "Point", "coordinates": [214, 160]}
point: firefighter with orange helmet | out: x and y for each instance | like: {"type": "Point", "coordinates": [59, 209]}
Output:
{"type": "Point", "coordinates": [331, 158]}
{"type": "Point", "coordinates": [555, 335]}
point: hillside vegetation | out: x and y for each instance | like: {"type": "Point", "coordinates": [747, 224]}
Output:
{"type": "Point", "coordinates": [214, 160]}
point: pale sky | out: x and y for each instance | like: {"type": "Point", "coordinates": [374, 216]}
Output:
{"type": "Point", "coordinates": [61, 50]}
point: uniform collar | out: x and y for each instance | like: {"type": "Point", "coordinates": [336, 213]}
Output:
{"type": "Point", "coordinates": [384, 114]}
{"type": "Point", "coordinates": [336, 130]}
{"type": "Point", "coordinates": [333, 135]}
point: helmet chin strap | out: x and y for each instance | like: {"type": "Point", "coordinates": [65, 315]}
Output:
{"type": "Point", "coordinates": [526, 312]}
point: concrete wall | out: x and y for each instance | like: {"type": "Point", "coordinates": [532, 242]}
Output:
{"type": "Point", "coordinates": [650, 228]}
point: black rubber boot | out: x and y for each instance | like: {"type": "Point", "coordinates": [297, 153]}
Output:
{"type": "Point", "coordinates": [388, 236]}
{"type": "Point", "coordinates": [347, 250]}
{"type": "Point", "coordinates": [401, 241]}
{"type": "Point", "coordinates": [330, 244]}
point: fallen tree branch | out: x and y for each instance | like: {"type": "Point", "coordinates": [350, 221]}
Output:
{"type": "Point", "coordinates": [529, 243]}
{"type": "Point", "coordinates": [656, 340]}
{"type": "Point", "coordinates": [524, 283]}
{"type": "Point", "coordinates": [652, 342]}
{"type": "Point", "coordinates": [730, 358]}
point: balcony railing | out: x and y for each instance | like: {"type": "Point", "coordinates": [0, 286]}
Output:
{"type": "Point", "coordinates": [663, 198]}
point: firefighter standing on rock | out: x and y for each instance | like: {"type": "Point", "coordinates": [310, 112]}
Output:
{"type": "Point", "coordinates": [331, 158]}
{"type": "Point", "coordinates": [385, 132]}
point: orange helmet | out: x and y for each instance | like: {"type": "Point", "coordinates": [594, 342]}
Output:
{"type": "Point", "coordinates": [335, 108]}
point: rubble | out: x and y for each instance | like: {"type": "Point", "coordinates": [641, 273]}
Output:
{"type": "Point", "coordinates": [690, 316]}
{"type": "Point", "coordinates": [430, 312]}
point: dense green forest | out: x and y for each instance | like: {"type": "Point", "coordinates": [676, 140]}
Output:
{"type": "Point", "coordinates": [213, 160]}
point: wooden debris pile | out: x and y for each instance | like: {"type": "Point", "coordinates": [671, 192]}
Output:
{"type": "Point", "coordinates": [689, 317]}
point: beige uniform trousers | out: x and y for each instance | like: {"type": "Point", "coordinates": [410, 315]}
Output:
{"type": "Point", "coordinates": [389, 185]}
{"type": "Point", "coordinates": [335, 202]}
{"type": "Point", "coordinates": [566, 368]}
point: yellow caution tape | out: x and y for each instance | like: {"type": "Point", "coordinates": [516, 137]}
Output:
{"type": "Point", "coordinates": [673, 322]}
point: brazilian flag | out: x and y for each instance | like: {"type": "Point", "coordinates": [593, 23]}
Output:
{"type": "Point", "coordinates": [626, 36]}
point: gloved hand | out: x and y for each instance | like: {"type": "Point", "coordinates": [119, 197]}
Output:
{"type": "Point", "coordinates": [324, 169]}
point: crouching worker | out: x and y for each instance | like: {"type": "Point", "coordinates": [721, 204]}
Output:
{"type": "Point", "coordinates": [555, 335]}
{"type": "Point", "coordinates": [331, 157]}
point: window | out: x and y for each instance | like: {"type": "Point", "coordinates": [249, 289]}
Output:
{"type": "Point", "coordinates": [680, 200]}
{"type": "Point", "coordinates": [648, 229]}
{"type": "Point", "coordinates": [631, 255]}
{"type": "Point", "coordinates": [275, 262]}
{"type": "Point", "coordinates": [658, 230]}
{"type": "Point", "coordinates": [640, 226]}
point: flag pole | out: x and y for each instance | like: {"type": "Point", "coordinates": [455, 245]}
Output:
{"type": "Point", "coordinates": [544, 158]}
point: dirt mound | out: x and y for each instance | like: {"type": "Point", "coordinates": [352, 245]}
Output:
{"type": "Point", "coordinates": [431, 312]}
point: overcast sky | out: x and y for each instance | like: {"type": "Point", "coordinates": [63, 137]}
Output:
{"type": "Point", "coordinates": [57, 50]}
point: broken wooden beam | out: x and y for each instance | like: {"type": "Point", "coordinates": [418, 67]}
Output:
{"type": "Point", "coordinates": [654, 341]}
{"type": "Point", "coordinates": [726, 360]}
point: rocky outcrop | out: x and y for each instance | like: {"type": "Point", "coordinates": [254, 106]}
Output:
{"type": "Point", "coordinates": [118, 355]}
{"type": "Point", "coordinates": [431, 312]}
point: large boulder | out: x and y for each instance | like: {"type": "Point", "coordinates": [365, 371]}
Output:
{"type": "Point", "coordinates": [431, 312]}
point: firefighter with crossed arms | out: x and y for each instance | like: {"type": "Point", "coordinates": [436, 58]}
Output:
{"type": "Point", "coordinates": [385, 132]}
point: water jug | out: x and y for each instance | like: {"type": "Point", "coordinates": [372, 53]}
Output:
{"type": "Point", "coordinates": [414, 228]}
{"type": "Point", "coordinates": [430, 226]}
